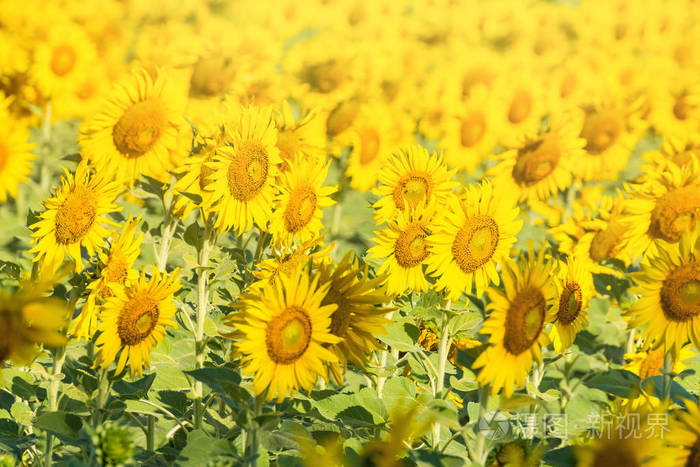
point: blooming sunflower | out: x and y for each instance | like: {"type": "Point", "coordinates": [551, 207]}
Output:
{"type": "Point", "coordinates": [516, 323]}
{"type": "Point", "coordinates": [243, 178]}
{"type": "Point", "coordinates": [140, 130]}
{"type": "Point", "coordinates": [681, 445]}
{"type": "Point", "coordinates": [134, 320]}
{"type": "Point", "coordinates": [403, 249]}
{"type": "Point", "coordinates": [668, 286]}
{"type": "Point", "coordinates": [300, 202]}
{"type": "Point", "coordinates": [474, 236]}
{"type": "Point", "coordinates": [411, 179]}
{"type": "Point", "coordinates": [115, 269]}
{"type": "Point", "coordinates": [285, 330]}
{"type": "Point", "coordinates": [520, 109]}
{"type": "Point", "coordinates": [360, 314]}
{"type": "Point", "coordinates": [74, 217]}
{"type": "Point", "coordinates": [15, 158]}
{"type": "Point", "coordinates": [677, 150]}
{"type": "Point", "coordinates": [575, 289]}
{"type": "Point", "coordinates": [677, 106]}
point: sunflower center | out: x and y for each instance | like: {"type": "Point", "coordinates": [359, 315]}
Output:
{"type": "Point", "coordinates": [570, 303]}
{"type": "Point", "coordinates": [605, 241]}
{"type": "Point", "coordinates": [370, 145]}
{"type": "Point", "coordinates": [475, 243]}
{"type": "Point", "coordinates": [410, 248]}
{"type": "Point", "coordinates": [675, 212]}
{"type": "Point", "coordinates": [139, 128]}
{"type": "Point", "coordinates": [341, 117]}
{"type": "Point", "coordinates": [247, 173]}
{"type": "Point", "coordinates": [472, 129]}
{"type": "Point", "coordinates": [520, 107]}
{"type": "Point", "coordinates": [613, 454]}
{"type": "Point", "coordinates": [694, 455]}
{"type": "Point", "coordinates": [601, 129]}
{"type": "Point", "coordinates": [682, 108]}
{"type": "Point", "coordinates": [680, 293]}
{"type": "Point", "coordinates": [116, 269]}
{"type": "Point", "coordinates": [288, 335]}
{"type": "Point", "coordinates": [524, 320]}
{"type": "Point", "coordinates": [63, 58]}
{"type": "Point", "coordinates": [211, 76]}
{"type": "Point", "coordinates": [326, 76]}
{"type": "Point", "coordinates": [411, 189]}
{"type": "Point", "coordinates": [301, 208]}
{"type": "Point", "coordinates": [535, 162]}
{"type": "Point", "coordinates": [652, 364]}
{"type": "Point", "coordinates": [75, 216]}
{"type": "Point", "coordinates": [137, 319]}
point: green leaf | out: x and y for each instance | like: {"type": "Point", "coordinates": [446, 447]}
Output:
{"type": "Point", "coordinates": [21, 412]}
{"type": "Point", "coordinates": [136, 389]}
{"type": "Point", "coordinates": [401, 336]}
{"type": "Point", "coordinates": [59, 423]}
{"type": "Point", "coordinates": [619, 383]}
{"type": "Point", "coordinates": [201, 449]}
{"type": "Point", "coordinates": [655, 386]}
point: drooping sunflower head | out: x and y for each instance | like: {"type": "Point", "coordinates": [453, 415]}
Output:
{"type": "Point", "coordinates": [575, 288]}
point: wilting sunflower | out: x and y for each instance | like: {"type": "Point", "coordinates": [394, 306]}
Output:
{"type": "Point", "coordinates": [27, 318]}
{"type": "Point", "coordinates": [243, 178]}
{"type": "Point", "coordinates": [681, 445]}
{"type": "Point", "coordinates": [474, 236]}
{"type": "Point", "coordinates": [516, 324]}
{"type": "Point", "coordinates": [74, 217]}
{"type": "Point", "coordinates": [411, 179]}
{"type": "Point", "coordinates": [285, 330]}
{"type": "Point", "coordinates": [540, 165]}
{"type": "Point", "coordinates": [668, 286]}
{"type": "Point", "coordinates": [300, 202]}
{"type": "Point", "coordinates": [15, 158]}
{"type": "Point", "coordinates": [115, 269]}
{"type": "Point", "coordinates": [575, 289]}
{"type": "Point", "coordinates": [140, 130]}
{"type": "Point", "coordinates": [403, 250]}
{"type": "Point", "coordinates": [360, 314]}
{"type": "Point", "coordinates": [134, 318]}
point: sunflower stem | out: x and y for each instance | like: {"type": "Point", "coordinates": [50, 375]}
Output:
{"type": "Point", "coordinates": [59, 357]}
{"type": "Point", "coordinates": [480, 451]}
{"type": "Point", "coordinates": [668, 379]}
{"type": "Point", "coordinates": [443, 350]}
{"type": "Point", "coordinates": [169, 229]}
{"type": "Point", "coordinates": [383, 356]}
{"type": "Point", "coordinates": [150, 433]}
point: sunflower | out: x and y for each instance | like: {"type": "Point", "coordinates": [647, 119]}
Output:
{"type": "Point", "coordinates": [195, 176]}
{"type": "Point", "coordinates": [115, 269]}
{"type": "Point", "coordinates": [518, 316]}
{"type": "Point", "coordinates": [74, 217]}
{"type": "Point", "coordinates": [663, 206]}
{"type": "Point", "coordinates": [474, 236]}
{"type": "Point", "coordinates": [411, 179]}
{"type": "Point", "coordinates": [28, 318]}
{"type": "Point", "coordinates": [303, 137]}
{"type": "Point", "coordinates": [668, 286]}
{"type": "Point", "coordinates": [520, 108]}
{"type": "Point", "coordinates": [681, 446]}
{"type": "Point", "coordinates": [300, 202]}
{"type": "Point", "coordinates": [678, 150]}
{"type": "Point", "coordinates": [575, 289]}
{"type": "Point", "coordinates": [242, 182]}
{"type": "Point", "coordinates": [540, 165]}
{"type": "Point", "coordinates": [15, 158]}
{"type": "Point", "coordinates": [677, 107]}
{"type": "Point", "coordinates": [404, 251]}
{"type": "Point", "coordinates": [140, 130]}
{"type": "Point", "coordinates": [290, 260]}
{"type": "Point", "coordinates": [134, 320]}
{"type": "Point", "coordinates": [285, 331]}
{"type": "Point", "coordinates": [360, 314]}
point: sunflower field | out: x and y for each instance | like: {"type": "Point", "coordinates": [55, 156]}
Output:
{"type": "Point", "coordinates": [350, 233]}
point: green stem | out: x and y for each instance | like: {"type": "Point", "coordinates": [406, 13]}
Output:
{"type": "Point", "coordinates": [102, 395]}
{"type": "Point", "coordinates": [169, 229]}
{"type": "Point", "coordinates": [383, 356]}
{"type": "Point", "coordinates": [480, 450]}
{"type": "Point", "coordinates": [668, 380]}
{"type": "Point", "coordinates": [59, 357]}
{"type": "Point", "coordinates": [151, 433]}
{"type": "Point", "coordinates": [252, 439]}
{"type": "Point", "coordinates": [443, 350]}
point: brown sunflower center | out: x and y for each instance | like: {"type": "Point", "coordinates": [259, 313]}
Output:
{"type": "Point", "coordinates": [675, 212]}
{"type": "Point", "coordinates": [614, 454]}
{"type": "Point", "coordinates": [300, 209]}
{"type": "Point", "coordinates": [693, 459]}
{"type": "Point", "coordinates": [342, 117]}
{"type": "Point", "coordinates": [536, 161]}
{"type": "Point", "coordinates": [211, 76]}
{"type": "Point", "coordinates": [247, 172]}
{"type": "Point", "coordinates": [606, 241]}
{"type": "Point", "coordinates": [288, 335]}
{"type": "Point", "coordinates": [410, 248]}
{"type": "Point", "coordinates": [601, 129]}
{"type": "Point", "coordinates": [570, 303]}
{"type": "Point", "coordinates": [475, 243]}
{"type": "Point", "coordinates": [369, 145]}
{"type": "Point", "coordinates": [472, 129]}
{"type": "Point", "coordinates": [412, 189]}
{"type": "Point", "coordinates": [524, 320]}
{"type": "Point", "coordinates": [326, 76]}
{"type": "Point", "coordinates": [63, 58]}
{"type": "Point", "coordinates": [682, 107]}
{"type": "Point", "coordinates": [137, 319]}
{"type": "Point", "coordinates": [75, 216]}
{"type": "Point", "coordinates": [520, 107]}
{"type": "Point", "coordinates": [680, 293]}
{"type": "Point", "coordinates": [139, 128]}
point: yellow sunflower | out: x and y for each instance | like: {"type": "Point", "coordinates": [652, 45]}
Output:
{"type": "Point", "coordinates": [133, 320]}
{"type": "Point", "coordinates": [15, 158]}
{"type": "Point", "coordinates": [681, 445]}
{"type": "Point", "coordinates": [668, 286]}
{"type": "Point", "coordinates": [404, 251]}
{"type": "Point", "coordinates": [411, 179]}
{"type": "Point", "coordinates": [516, 323]}
{"type": "Point", "coordinates": [74, 217]}
{"type": "Point", "coordinates": [472, 238]}
{"type": "Point", "coordinates": [140, 130]}
{"type": "Point", "coordinates": [575, 289]}
{"type": "Point", "coordinates": [303, 137]}
{"type": "Point", "coordinates": [115, 269]}
{"type": "Point", "coordinates": [291, 260]}
{"type": "Point", "coordinates": [520, 109]}
{"type": "Point", "coordinates": [195, 177]}
{"type": "Point", "coordinates": [300, 202]}
{"type": "Point", "coordinates": [242, 182]}
{"type": "Point", "coordinates": [285, 331]}
{"type": "Point", "coordinates": [360, 314]}
{"type": "Point", "coordinates": [676, 108]}
{"type": "Point", "coordinates": [677, 150]}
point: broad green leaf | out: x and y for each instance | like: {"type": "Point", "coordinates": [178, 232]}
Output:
{"type": "Point", "coordinates": [619, 383]}
{"type": "Point", "coordinates": [59, 423]}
